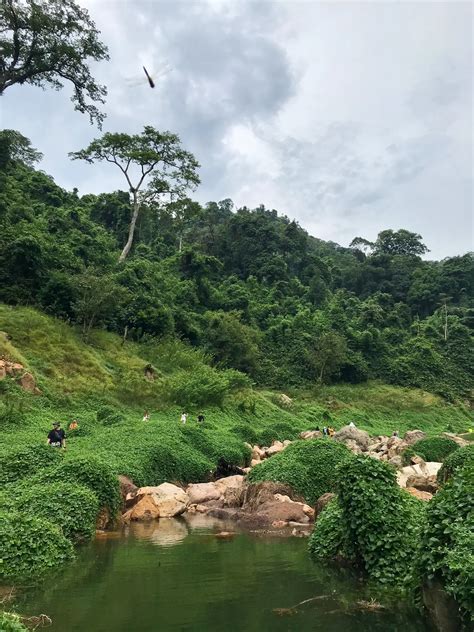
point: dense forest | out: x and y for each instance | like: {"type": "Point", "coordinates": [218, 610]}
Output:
{"type": "Point", "coordinates": [249, 286]}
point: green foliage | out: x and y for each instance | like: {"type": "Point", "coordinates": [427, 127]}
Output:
{"type": "Point", "coordinates": [457, 459]}
{"type": "Point", "coordinates": [308, 466]}
{"type": "Point", "coordinates": [109, 416]}
{"type": "Point", "coordinates": [328, 540]}
{"type": "Point", "coordinates": [73, 508]}
{"type": "Point", "coordinates": [11, 622]}
{"type": "Point", "coordinates": [19, 462]}
{"type": "Point", "coordinates": [209, 386]}
{"type": "Point", "coordinates": [91, 472]}
{"type": "Point", "coordinates": [30, 546]}
{"type": "Point", "coordinates": [431, 449]}
{"type": "Point", "coordinates": [44, 44]}
{"type": "Point", "coordinates": [447, 549]}
{"type": "Point", "coordinates": [278, 431]}
{"type": "Point", "coordinates": [381, 521]}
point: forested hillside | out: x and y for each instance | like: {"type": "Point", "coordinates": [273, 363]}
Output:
{"type": "Point", "coordinates": [249, 287]}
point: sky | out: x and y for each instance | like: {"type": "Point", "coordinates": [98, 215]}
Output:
{"type": "Point", "coordinates": [350, 117]}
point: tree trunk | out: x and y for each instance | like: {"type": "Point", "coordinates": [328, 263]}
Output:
{"type": "Point", "coordinates": [180, 247]}
{"type": "Point", "coordinates": [131, 230]}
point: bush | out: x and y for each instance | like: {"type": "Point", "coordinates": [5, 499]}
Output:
{"type": "Point", "coordinates": [71, 507]}
{"type": "Point", "coordinates": [215, 444]}
{"type": "Point", "coordinates": [457, 459]}
{"type": "Point", "coordinates": [381, 521]}
{"type": "Point", "coordinates": [95, 474]}
{"type": "Point", "coordinates": [17, 463]}
{"type": "Point", "coordinates": [109, 416]}
{"type": "Point", "coordinates": [30, 546]}
{"type": "Point", "coordinates": [11, 622]}
{"type": "Point", "coordinates": [206, 386]}
{"type": "Point", "coordinates": [328, 540]}
{"type": "Point", "coordinates": [434, 449]}
{"type": "Point", "coordinates": [308, 466]}
{"type": "Point", "coordinates": [245, 432]}
{"type": "Point", "coordinates": [167, 463]}
{"type": "Point", "coordinates": [278, 431]}
{"type": "Point", "coordinates": [447, 551]}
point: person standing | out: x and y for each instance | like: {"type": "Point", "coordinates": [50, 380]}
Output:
{"type": "Point", "coordinates": [56, 436]}
{"type": "Point", "coordinates": [184, 418]}
{"type": "Point", "coordinates": [146, 416]}
{"type": "Point", "coordinates": [73, 425]}
{"type": "Point", "coordinates": [200, 418]}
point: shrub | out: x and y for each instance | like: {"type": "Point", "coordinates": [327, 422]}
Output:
{"type": "Point", "coordinates": [95, 474]}
{"type": "Point", "coordinates": [206, 386]}
{"type": "Point", "coordinates": [17, 463]}
{"type": "Point", "coordinates": [215, 444]}
{"type": "Point", "coordinates": [11, 622]}
{"type": "Point", "coordinates": [71, 507]}
{"type": "Point", "coordinates": [328, 540]}
{"type": "Point", "coordinates": [434, 449]}
{"type": "Point", "coordinates": [447, 551]}
{"type": "Point", "coordinates": [278, 431]}
{"type": "Point", "coordinates": [30, 546]}
{"type": "Point", "coordinates": [168, 463]}
{"type": "Point", "coordinates": [245, 432]}
{"type": "Point", "coordinates": [381, 521]}
{"type": "Point", "coordinates": [109, 416]}
{"type": "Point", "coordinates": [458, 458]}
{"type": "Point", "coordinates": [308, 466]}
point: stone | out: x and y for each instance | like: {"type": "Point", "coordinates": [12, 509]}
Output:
{"type": "Point", "coordinates": [285, 400]}
{"type": "Point", "coordinates": [256, 454]}
{"type": "Point", "coordinates": [275, 448]}
{"type": "Point", "coordinates": [257, 494]}
{"type": "Point", "coordinates": [428, 469]}
{"type": "Point", "coordinates": [145, 509]}
{"type": "Point", "coordinates": [423, 483]}
{"type": "Point", "coordinates": [353, 446]}
{"type": "Point", "coordinates": [412, 436]}
{"type": "Point", "coordinates": [199, 493]}
{"type": "Point", "coordinates": [287, 442]}
{"type": "Point", "coordinates": [170, 499]}
{"type": "Point", "coordinates": [103, 519]}
{"type": "Point", "coordinates": [127, 487]}
{"type": "Point", "coordinates": [232, 489]}
{"type": "Point", "coordinates": [361, 437]}
{"type": "Point", "coordinates": [311, 434]}
{"type": "Point", "coordinates": [253, 462]}
{"type": "Point", "coordinates": [459, 440]}
{"type": "Point", "coordinates": [419, 494]}
{"type": "Point", "coordinates": [396, 461]}
{"type": "Point", "coordinates": [279, 524]}
{"type": "Point", "coordinates": [270, 511]}
{"type": "Point", "coordinates": [322, 502]}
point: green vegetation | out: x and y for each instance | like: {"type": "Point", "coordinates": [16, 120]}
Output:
{"type": "Point", "coordinates": [30, 546]}
{"type": "Point", "coordinates": [447, 550]}
{"type": "Point", "coordinates": [11, 622]}
{"type": "Point", "coordinates": [460, 458]}
{"type": "Point", "coordinates": [431, 449]}
{"type": "Point", "coordinates": [375, 524]}
{"type": "Point", "coordinates": [73, 508]}
{"type": "Point", "coordinates": [18, 462]}
{"type": "Point", "coordinates": [308, 466]}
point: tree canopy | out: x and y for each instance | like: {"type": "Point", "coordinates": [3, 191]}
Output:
{"type": "Point", "coordinates": [48, 43]}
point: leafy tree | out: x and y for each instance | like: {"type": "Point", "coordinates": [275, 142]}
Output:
{"type": "Point", "coordinates": [14, 146]}
{"type": "Point", "coordinates": [161, 166]}
{"type": "Point", "coordinates": [400, 242]}
{"type": "Point", "coordinates": [47, 43]}
{"type": "Point", "coordinates": [328, 355]}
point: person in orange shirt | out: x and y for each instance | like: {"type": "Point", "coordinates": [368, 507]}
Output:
{"type": "Point", "coordinates": [73, 425]}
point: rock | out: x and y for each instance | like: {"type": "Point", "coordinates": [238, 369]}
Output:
{"type": "Point", "coordinates": [170, 499]}
{"type": "Point", "coordinates": [27, 383]}
{"type": "Point", "coordinates": [396, 446]}
{"type": "Point", "coordinates": [322, 502]}
{"type": "Point", "coordinates": [412, 436]}
{"type": "Point", "coordinates": [103, 519]}
{"type": "Point", "coordinates": [199, 493]}
{"type": "Point", "coordinates": [3, 371]}
{"type": "Point", "coordinates": [257, 494]}
{"type": "Point", "coordinates": [144, 510]}
{"type": "Point", "coordinates": [276, 447]}
{"type": "Point", "coordinates": [423, 483]}
{"type": "Point", "coordinates": [253, 462]}
{"type": "Point", "coordinates": [279, 524]}
{"type": "Point", "coordinates": [246, 470]}
{"type": "Point", "coordinates": [459, 440]}
{"type": "Point", "coordinates": [127, 487]}
{"type": "Point", "coordinates": [232, 489]}
{"type": "Point", "coordinates": [225, 535]}
{"type": "Point", "coordinates": [272, 511]}
{"type": "Point", "coordinates": [419, 494]}
{"type": "Point", "coordinates": [256, 454]}
{"type": "Point", "coordinates": [287, 442]}
{"type": "Point", "coordinates": [396, 461]}
{"type": "Point", "coordinates": [361, 437]}
{"type": "Point", "coordinates": [353, 446]}
{"type": "Point", "coordinates": [286, 401]}
{"type": "Point", "coordinates": [428, 469]}
{"type": "Point", "coordinates": [311, 434]}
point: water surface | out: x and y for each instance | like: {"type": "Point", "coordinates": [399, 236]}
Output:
{"type": "Point", "coordinates": [175, 575]}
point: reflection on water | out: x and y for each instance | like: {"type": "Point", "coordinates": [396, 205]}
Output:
{"type": "Point", "coordinates": [176, 575]}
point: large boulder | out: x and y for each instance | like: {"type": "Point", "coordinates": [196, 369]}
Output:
{"type": "Point", "coordinates": [459, 440]}
{"type": "Point", "coordinates": [321, 503]}
{"type": "Point", "coordinates": [412, 436]}
{"type": "Point", "coordinates": [277, 446]}
{"type": "Point", "coordinates": [423, 483]}
{"type": "Point", "coordinates": [351, 433]}
{"type": "Point", "coordinates": [420, 469]}
{"type": "Point", "coordinates": [170, 499]}
{"type": "Point", "coordinates": [282, 510]}
{"type": "Point", "coordinates": [200, 493]}
{"type": "Point", "coordinates": [311, 434]}
{"type": "Point", "coordinates": [144, 510]}
{"type": "Point", "coordinates": [417, 493]}
{"type": "Point", "coordinates": [257, 494]}
{"type": "Point", "coordinates": [232, 490]}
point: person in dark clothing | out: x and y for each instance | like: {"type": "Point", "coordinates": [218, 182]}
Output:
{"type": "Point", "coordinates": [56, 436]}
{"type": "Point", "coordinates": [201, 418]}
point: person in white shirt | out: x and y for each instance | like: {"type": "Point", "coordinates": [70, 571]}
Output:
{"type": "Point", "coordinates": [184, 418]}
{"type": "Point", "coordinates": [352, 425]}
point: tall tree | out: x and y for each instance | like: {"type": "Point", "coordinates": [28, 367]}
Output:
{"type": "Point", "coordinates": [153, 164]}
{"type": "Point", "coordinates": [14, 146]}
{"type": "Point", "coordinates": [400, 242]}
{"type": "Point", "coordinates": [47, 43]}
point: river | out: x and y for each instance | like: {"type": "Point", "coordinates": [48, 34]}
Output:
{"type": "Point", "coordinates": [176, 575]}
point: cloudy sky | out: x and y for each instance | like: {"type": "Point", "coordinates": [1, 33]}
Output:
{"type": "Point", "coordinates": [350, 117]}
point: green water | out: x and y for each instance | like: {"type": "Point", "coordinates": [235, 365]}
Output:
{"type": "Point", "coordinates": [175, 575]}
